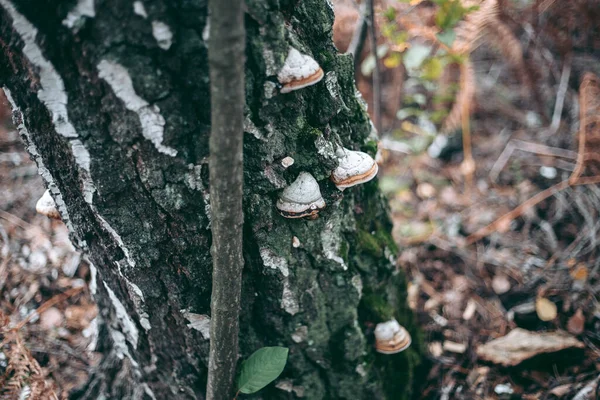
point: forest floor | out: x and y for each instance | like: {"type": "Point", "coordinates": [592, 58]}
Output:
{"type": "Point", "coordinates": [533, 275]}
{"type": "Point", "coordinates": [538, 272]}
{"type": "Point", "coordinates": [46, 311]}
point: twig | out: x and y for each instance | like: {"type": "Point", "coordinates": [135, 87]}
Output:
{"type": "Point", "coordinates": [468, 164]}
{"type": "Point", "coordinates": [15, 220]}
{"type": "Point", "coordinates": [227, 42]}
{"type": "Point", "coordinates": [517, 212]}
{"type": "Point", "coordinates": [516, 144]}
{"type": "Point", "coordinates": [360, 34]}
{"type": "Point", "coordinates": [376, 70]}
{"type": "Point", "coordinates": [560, 96]}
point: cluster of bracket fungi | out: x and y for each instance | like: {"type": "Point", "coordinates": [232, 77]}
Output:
{"type": "Point", "coordinates": [303, 197]}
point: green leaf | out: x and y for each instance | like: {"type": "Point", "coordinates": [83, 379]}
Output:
{"type": "Point", "coordinates": [261, 368]}
{"type": "Point", "coordinates": [450, 13]}
{"type": "Point", "coordinates": [447, 37]}
{"type": "Point", "coordinates": [415, 55]}
{"type": "Point", "coordinates": [390, 14]}
{"type": "Point", "coordinates": [432, 69]}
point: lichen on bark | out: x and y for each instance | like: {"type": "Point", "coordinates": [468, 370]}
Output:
{"type": "Point", "coordinates": [148, 226]}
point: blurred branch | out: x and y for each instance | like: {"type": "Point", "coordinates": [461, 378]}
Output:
{"type": "Point", "coordinates": [376, 70]}
{"type": "Point", "coordinates": [360, 34]}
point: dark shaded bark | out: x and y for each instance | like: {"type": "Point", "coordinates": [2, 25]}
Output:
{"type": "Point", "coordinates": [92, 96]}
{"type": "Point", "coordinates": [227, 43]}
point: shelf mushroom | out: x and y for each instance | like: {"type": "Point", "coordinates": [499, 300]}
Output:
{"type": "Point", "coordinates": [302, 198]}
{"type": "Point", "coordinates": [391, 337]}
{"type": "Point", "coordinates": [299, 71]}
{"type": "Point", "coordinates": [46, 206]}
{"type": "Point", "coordinates": [355, 167]}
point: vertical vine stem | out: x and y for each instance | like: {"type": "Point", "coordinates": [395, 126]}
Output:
{"type": "Point", "coordinates": [376, 70]}
{"type": "Point", "coordinates": [226, 56]}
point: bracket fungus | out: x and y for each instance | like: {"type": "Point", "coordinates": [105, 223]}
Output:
{"type": "Point", "coordinates": [46, 206]}
{"type": "Point", "coordinates": [299, 71]}
{"type": "Point", "coordinates": [355, 167]}
{"type": "Point", "coordinates": [391, 337]}
{"type": "Point", "coordinates": [302, 198]}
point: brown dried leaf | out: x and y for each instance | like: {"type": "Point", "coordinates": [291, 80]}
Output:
{"type": "Point", "coordinates": [469, 31]}
{"type": "Point", "coordinates": [576, 323]}
{"type": "Point", "coordinates": [580, 272]}
{"type": "Point", "coordinates": [520, 345]}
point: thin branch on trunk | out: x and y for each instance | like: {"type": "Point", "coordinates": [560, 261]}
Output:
{"type": "Point", "coordinates": [226, 62]}
{"type": "Point", "coordinates": [360, 34]}
{"type": "Point", "coordinates": [376, 70]}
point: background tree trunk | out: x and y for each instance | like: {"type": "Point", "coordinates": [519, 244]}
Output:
{"type": "Point", "coordinates": [112, 100]}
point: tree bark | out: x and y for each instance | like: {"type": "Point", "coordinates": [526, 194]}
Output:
{"type": "Point", "coordinates": [112, 99]}
{"type": "Point", "coordinates": [227, 43]}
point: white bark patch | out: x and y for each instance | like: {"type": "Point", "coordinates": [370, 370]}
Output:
{"type": "Point", "coordinates": [52, 94]}
{"type": "Point", "coordinates": [271, 260]}
{"type": "Point", "coordinates": [127, 325]}
{"type": "Point", "coordinates": [93, 286]}
{"type": "Point", "coordinates": [288, 299]}
{"type": "Point", "coordinates": [139, 9]}
{"type": "Point", "coordinates": [358, 284]}
{"type": "Point", "coordinates": [325, 148]}
{"type": "Point", "coordinates": [163, 35]}
{"type": "Point", "coordinates": [153, 123]}
{"type": "Point", "coordinates": [83, 8]}
{"type": "Point", "coordinates": [206, 32]}
{"type": "Point", "coordinates": [148, 391]}
{"type": "Point", "coordinates": [117, 238]}
{"type": "Point", "coordinates": [199, 322]}
{"type": "Point", "coordinates": [138, 301]}
{"type": "Point", "coordinates": [331, 246]}
{"type": "Point", "coordinates": [121, 348]}
{"type": "Point", "coordinates": [92, 333]}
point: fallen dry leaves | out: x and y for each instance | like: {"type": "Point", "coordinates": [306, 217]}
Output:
{"type": "Point", "coordinates": [520, 345]}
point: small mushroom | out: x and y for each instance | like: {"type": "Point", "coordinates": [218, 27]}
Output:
{"type": "Point", "coordinates": [391, 337]}
{"type": "Point", "coordinates": [287, 162]}
{"type": "Point", "coordinates": [46, 206]}
{"type": "Point", "coordinates": [302, 198]}
{"type": "Point", "coordinates": [355, 167]}
{"type": "Point", "coordinates": [299, 71]}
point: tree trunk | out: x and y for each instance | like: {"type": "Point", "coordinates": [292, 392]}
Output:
{"type": "Point", "coordinates": [112, 100]}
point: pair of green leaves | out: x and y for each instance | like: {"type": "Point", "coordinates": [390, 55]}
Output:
{"type": "Point", "coordinates": [261, 368]}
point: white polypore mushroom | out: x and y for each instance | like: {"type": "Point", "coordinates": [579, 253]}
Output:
{"type": "Point", "coordinates": [391, 337]}
{"type": "Point", "coordinates": [46, 206]}
{"type": "Point", "coordinates": [302, 198]}
{"type": "Point", "coordinates": [354, 167]}
{"type": "Point", "coordinates": [299, 71]}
